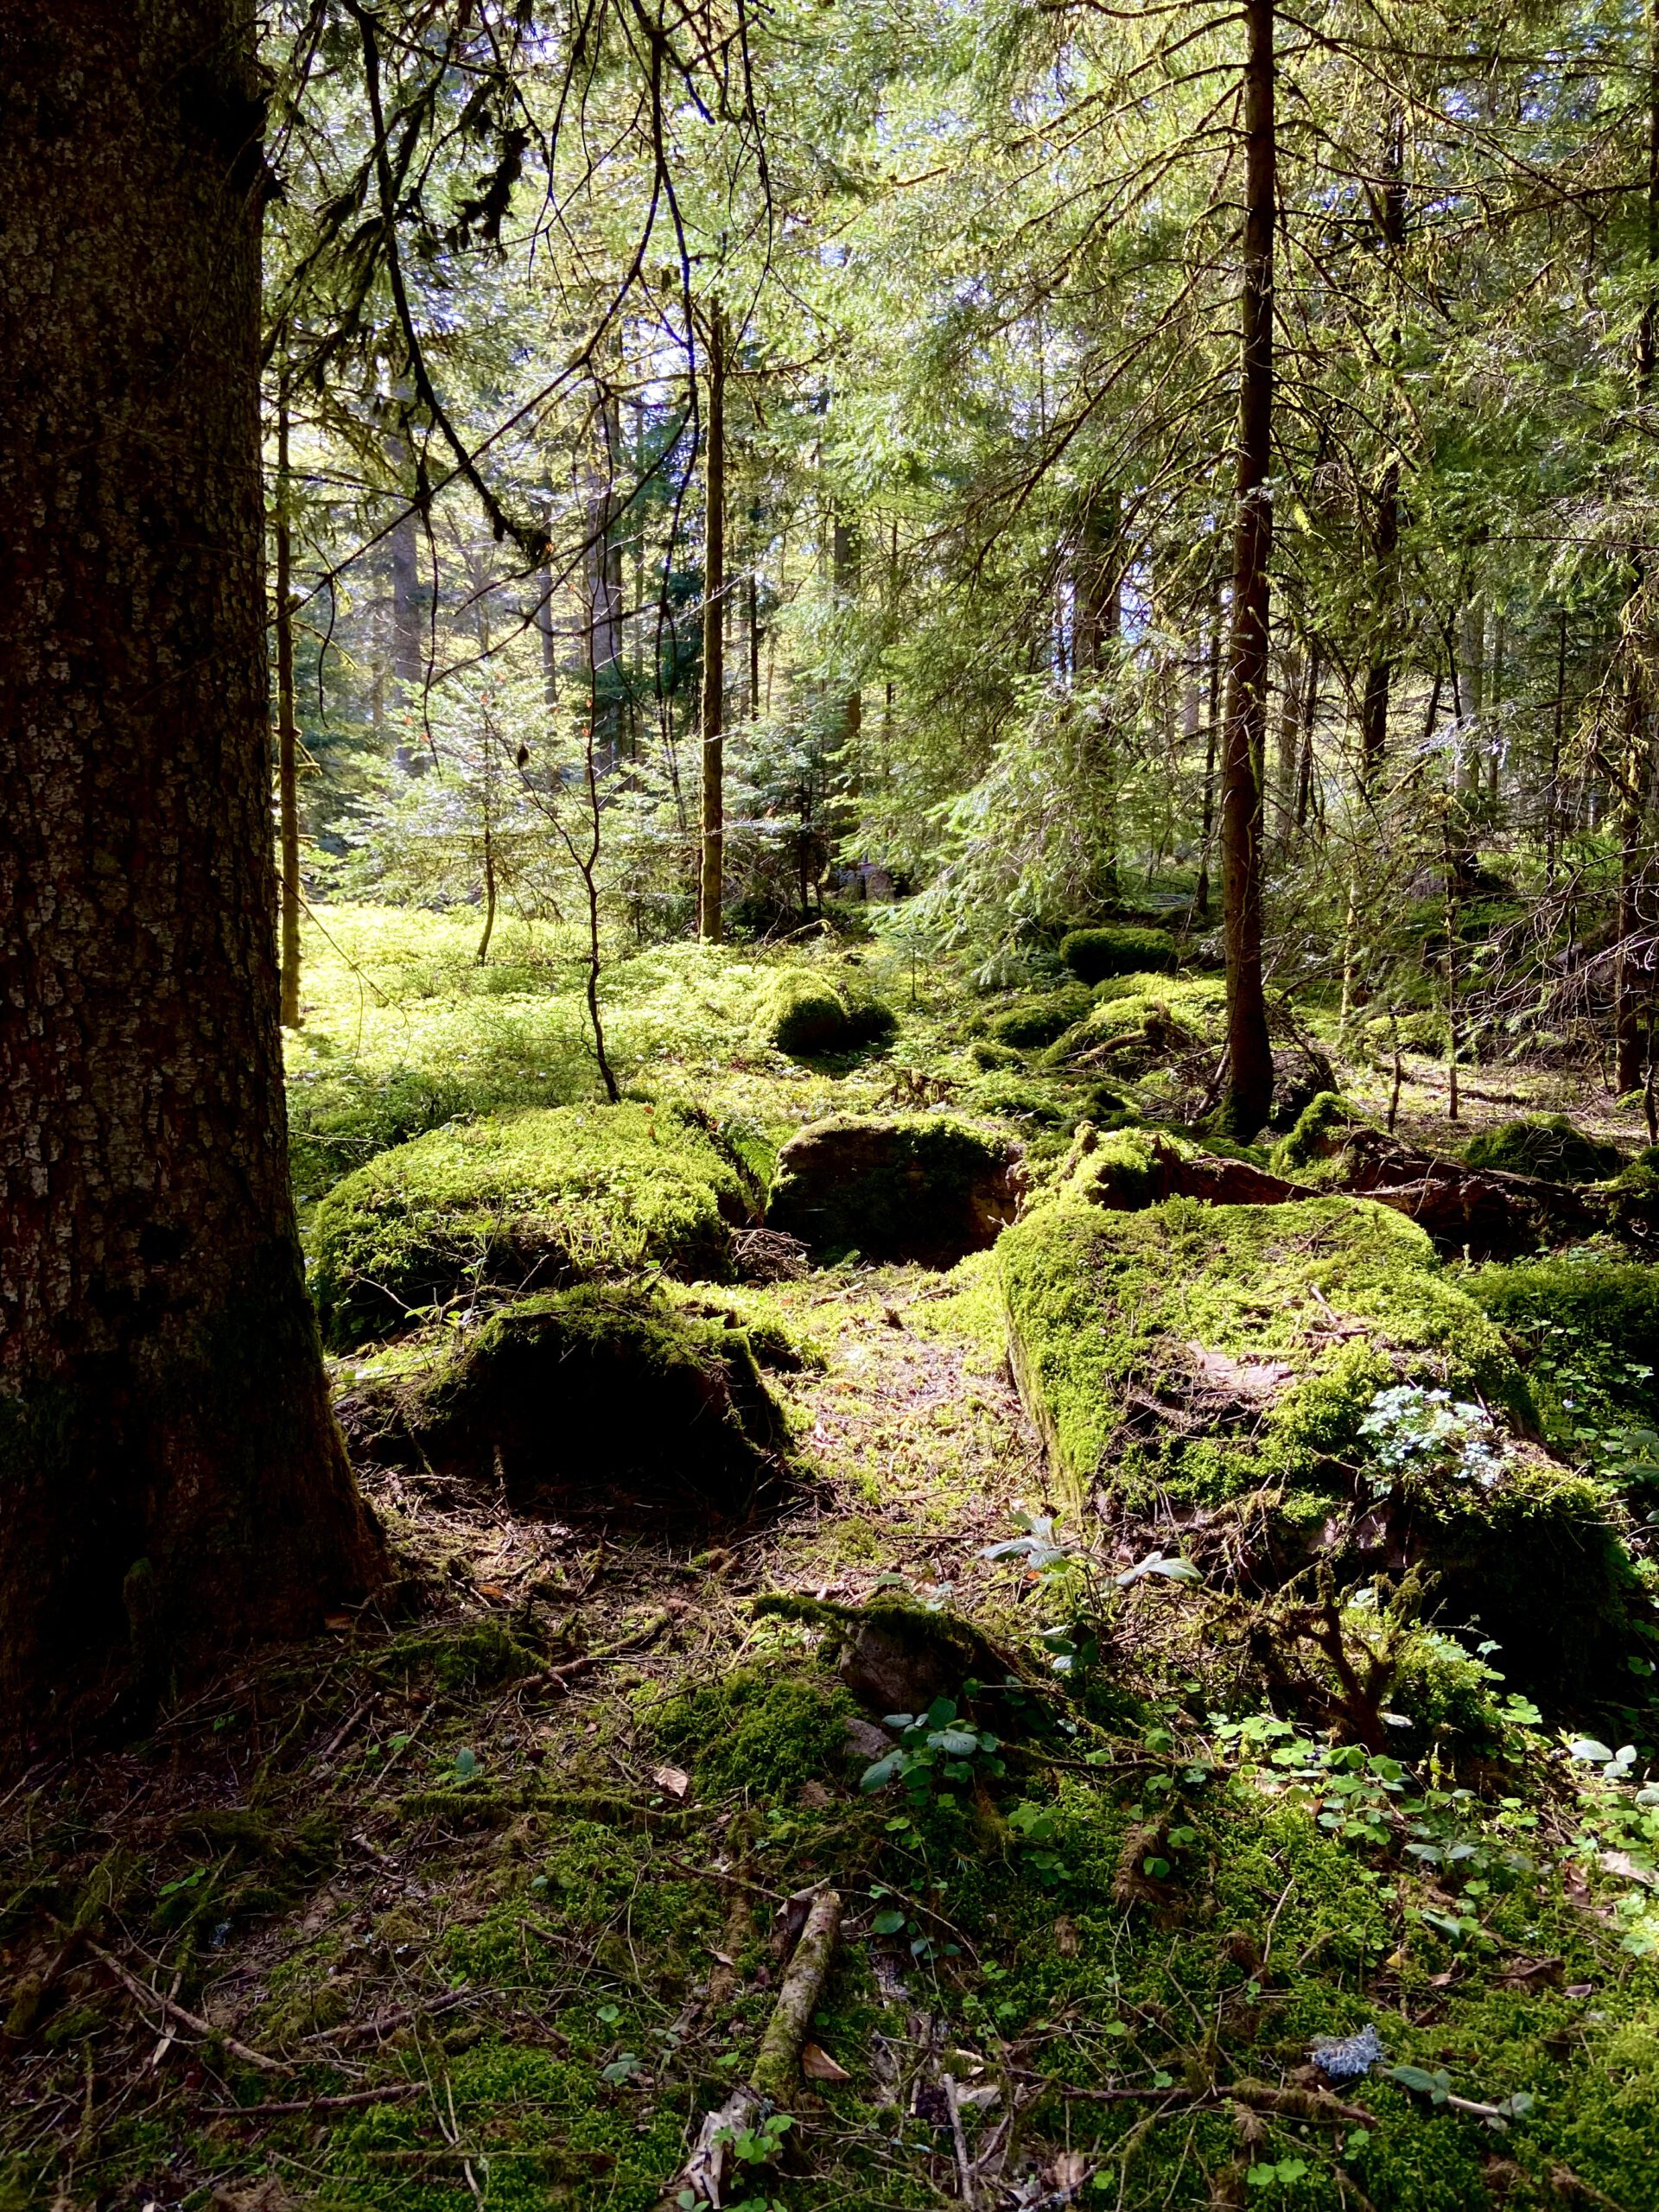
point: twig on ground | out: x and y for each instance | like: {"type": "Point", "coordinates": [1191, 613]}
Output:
{"type": "Point", "coordinates": [386, 2095]}
{"type": "Point", "coordinates": [170, 2009]}
{"type": "Point", "coordinates": [964, 2164]}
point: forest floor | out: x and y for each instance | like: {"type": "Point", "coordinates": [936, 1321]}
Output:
{"type": "Point", "coordinates": [487, 1897]}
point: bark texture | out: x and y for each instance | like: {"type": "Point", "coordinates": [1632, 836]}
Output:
{"type": "Point", "coordinates": [712, 881]}
{"type": "Point", "coordinates": [1249, 1054]}
{"type": "Point", "coordinates": [171, 1478]}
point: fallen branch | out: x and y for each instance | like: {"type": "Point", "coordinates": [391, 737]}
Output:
{"type": "Point", "coordinates": [171, 2010]}
{"type": "Point", "coordinates": [282, 2108]}
{"type": "Point", "coordinates": [776, 2071]}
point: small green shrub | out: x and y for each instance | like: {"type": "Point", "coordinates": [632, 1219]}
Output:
{"type": "Point", "coordinates": [536, 1198]}
{"type": "Point", "coordinates": [1040, 1021]}
{"type": "Point", "coordinates": [1092, 955]}
{"type": "Point", "coordinates": [1544, 1145]}
{"type": "Point", "coordinates": [810, 1016]}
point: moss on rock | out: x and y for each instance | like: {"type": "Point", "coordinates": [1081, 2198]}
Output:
{"type": "Point", "coordinates": [1141, 1021]}
{"type": "Point", "coordinates": [811, 1015]}
{"type": "Point", "coordinates": [908, 1186]}
{"type": "Point", "coordinates": [1039, 1020]}
{"type": "Point", "coordinates": [1119, 950]}
{"type": "Point", "coordinates": [1547, 1146]}
{"type": "Point", "coordinates": [535, 1197]}
{"type": "Point", "coordinates": [588, 1398]}
{"type": "Point", "coordinates": [1308, 1356]}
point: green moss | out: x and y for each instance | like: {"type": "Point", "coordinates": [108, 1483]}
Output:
{"type": "Point", "coordinates": [596, 1393]}
{"type": "Point", "coordinates": [339, 1117]}
{"type": "Point", "coordinates": [1101, 1302]}
{"type": "Point", "coordinates": [989, 1058]}
{"type": "Point", "coordinates": [1094, 954]}
{"type": "Point", "coordinates": [1321, 1128]}
{"type": "Point", "coordinates": [757, 1731]}
{"type": "Point", "coordinates": [1141, 1021]}
{"type": "Point", "coordinates": [1545, 1145]}
{"type": "Point", "coordinates": [1040, 1020]}
{"type": "Point", "coordinates": [811, 1015]}
{"type": "Point", "coordinates": [572, 1192]}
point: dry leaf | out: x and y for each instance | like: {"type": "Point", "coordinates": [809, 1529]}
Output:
{"type": "Point", "coordinates": [341, 1624]}
{"type": "Point", "coordinates": [674, 1779]}
{"type": "Point", "coordinates": [1069, 2171]}
{"type": "Point", "coordinates": [1065, 1937]}
{"type": "Point", "coordinates": [490, 1590]}
{"type": "Point", "coordinates": [815, 1797]}
{"type": "Point", "coordinates": [818, 2066]}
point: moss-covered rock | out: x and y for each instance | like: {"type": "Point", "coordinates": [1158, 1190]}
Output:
{"type": "Point", "coordinates": [596, 1397]}
{"type": "Point", "coordinates": [1142, 1021]}
{"type": "Point", "coordinates": [528, 1199]}
{"type": "Point", "coordinates": [1118, 950]}
{"type": "Point", "coordinates": [1547, 1146]}
{"type": "Point", "coordinates": [1322, 1133]}
{"type": "Point", "coordinates": [1313, 1358]}
{"type": "Point", "coordinates": [811, 1016]}
{"type": "Point", "coordinates": [909, 1186]}
{"type": "Point", "coordinates": [1040, 1020]}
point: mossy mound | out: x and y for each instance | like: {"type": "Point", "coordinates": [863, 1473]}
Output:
{"type": "Point", "coordinates": [756, 1730]}
{"type": "Point", "coordinates": [1321, 1135]}
{"type": "Point", "coordinates": [530, 1199]}
{"type": "Point", "coordinates": [1142, 1021]}
{"type": "Point", "coordinates": [1299, 1356]}
{"type": "Point", "coordinates": [1040, 1020]}
{"type": "Point", "coordinates": [909, 1186]}
{"type": "Point", "coordinates": [1120, 949]}
{"type": "Point", "coordinates": [592, 1399]}
{"type": "Point", "coordinates": [338, 1118]}
{"type": "Point", "coordinates": [813, 1016]}
{"type": "Point", "coordinates": [1547, 1146]}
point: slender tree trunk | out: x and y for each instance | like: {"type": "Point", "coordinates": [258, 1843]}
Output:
{"type": "Point", "coordinates": [1249, 1054]}
{"type": "Point", "coordinates": [287, 736]}
{"type": "Point", "coordinates": [1632, 983]}
{"type": "Point", "coordinates": [1212, 743]}
{"type": "Point", "coordinates": [1310, 727]}
{"type": "Point", "coordinates": [1385, 524]}
{"type": "Point", "coordinates": [171, 1480]}
{"type": "Point", "coordinates": [712, 887]}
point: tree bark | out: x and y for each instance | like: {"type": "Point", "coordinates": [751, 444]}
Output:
{"type": "Point", "coordinates": [1249, 1055]}
{"type": "Point", "coordinates": [287, 736]}
{"type": "Point", "coordinates": [172, 1482]}
{"type": "Point", "coordinates": [712, 886]}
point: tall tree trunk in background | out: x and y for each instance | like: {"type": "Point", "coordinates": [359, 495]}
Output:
{"type": "Point", "coordinates": [288, 735]}
{"type": "Point", "coordinates": [1385, 519]}
{"type": "Point", "coordinates": [1632, 983]}
{"type": "Point", "coordinates": [712, 884]}
{"type": "Point", "coordinates": [1289, 744]}
{"type": "Point", "coordinates": [410, 632]}
{"type": "Point", "coordinates": [1211, 740]}
{"type": "Point", "coordinates": [171, 1480]}
{"type": "Point", "coordinates": [1249, 1055]}
{"type": "Point", "coordinates": [1096, 625]}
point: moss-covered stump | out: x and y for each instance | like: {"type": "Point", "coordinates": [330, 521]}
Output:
{"type": "Point", "coordinates": [908, 1186]}
{"type": "Point", "coordinates": [591, 1399]}
{"type": "Point", "coordinates": [1547, 1146]}
{"type": "Point", "coordinates": [526, 1200]}
{"type": "Point", "coordinates": [814, 1016]}
{"type": "Point", "coordinates": [1301, 1382]}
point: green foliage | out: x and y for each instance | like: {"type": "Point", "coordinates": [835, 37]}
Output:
{"type": "Point", "coordinates": [1093, 954]}
{"type": "Point", "coordinates": [1544, 1145]}
{"type": "Point", "coordinates": [574, 1192]}
{"type": "Point", "coordinates": [1591, 1329]}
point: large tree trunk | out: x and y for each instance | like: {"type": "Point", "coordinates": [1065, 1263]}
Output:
{"type": "Point", "coordinates": [1249, 1055]}
{"type": "Point", "coordinates": [288, 735]}
{"type": "Point", "coordinates": [171, 1478]}
{"type": "Point", "coordinates": [712, 884]}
